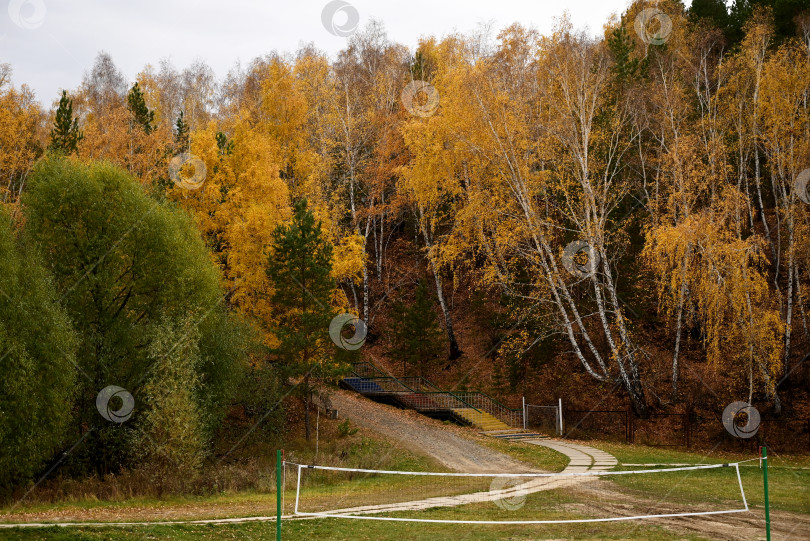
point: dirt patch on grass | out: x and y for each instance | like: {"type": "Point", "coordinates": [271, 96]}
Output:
{"type": "Point", "coordinates": [750, 525]}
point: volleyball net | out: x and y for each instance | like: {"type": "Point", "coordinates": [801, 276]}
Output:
{"type": "Point", "coordinates": [517, 498]}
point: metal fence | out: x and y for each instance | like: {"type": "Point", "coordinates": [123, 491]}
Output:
{"type": "Point", "coordinates": [611, 425]}
{"type": "Point", "coordinates": [786, 434]}
{"type": "Point", "coordinates": [544, 419]}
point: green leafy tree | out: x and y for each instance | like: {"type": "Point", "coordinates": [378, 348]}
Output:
{"type": "Point", "coordinates": [141, 114]}
{"type": "Point", "coordinates": [417, 338]}
{"type": "Point", "coordinates": [37, 359]}
{"type": "Point", "coordinates": [124, 263]}
{"type": "Point", "coordinates": [169, 434]}
{"type": "Point", "coordinates": [299, 271]}
{"type": "Point", "coordinates": [65, 134]}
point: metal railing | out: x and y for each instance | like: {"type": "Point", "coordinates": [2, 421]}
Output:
{"type": "Point", "coordinates": [389, 385]}
{"type": "Point", "coordinates": [441, 401]}
{"type": "Point", "coordinates": [420, 384]}
{"type": "Point", "coordinates": [484, 402]}
{"type": "Point", "coordinates": [448, 401]}
{"type": "Point", "coordinates": [367, 370]}
{"type": "Point", "coordinates": [422, 395]}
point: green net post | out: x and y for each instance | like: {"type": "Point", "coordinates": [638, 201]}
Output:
{"type": "Point", "coordinates": [278, 494]}
{"type": "Point", "coordinates": [767, 504]}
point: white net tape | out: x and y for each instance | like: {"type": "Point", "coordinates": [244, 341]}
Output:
{"type": "Point", "coordinates": [531, 498]}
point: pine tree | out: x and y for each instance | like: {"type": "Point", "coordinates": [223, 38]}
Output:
{"type": "Point", "coordinates": [621, 45]}
{"type": "Point", "coordinates": [713, 10]}
{"type": "Point", "coordinates": [140, 112]}
{"type": "Point", "coordinates": [65, 134]}
{"type": "Point", "coordinates": [224, 146]}
{"type": "Point", "coordinates": [417, 336]}
{"type": "Point", "coordinates": [181, 135]}
{"type": "Point", "coordinates": [299, 270]}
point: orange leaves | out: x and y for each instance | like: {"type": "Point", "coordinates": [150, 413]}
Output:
{"type": "Point", "coordinates": [21, 136]}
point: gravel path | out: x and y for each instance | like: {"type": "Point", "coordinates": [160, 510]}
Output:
{"type": "Point", "coordinates": [425, 435]}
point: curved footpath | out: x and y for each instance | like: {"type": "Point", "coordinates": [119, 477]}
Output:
{"type": "Point", "coordinates": [580, 457]}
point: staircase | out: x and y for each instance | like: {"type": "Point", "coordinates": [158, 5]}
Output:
{"type": "Point", "coordinates": [362, 385]}
{"type": "Point", "coordinates": [481, 419]}
{"type": "Point", "coordinates": [417, 393]}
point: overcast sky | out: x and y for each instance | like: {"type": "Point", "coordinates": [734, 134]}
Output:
{"type": "Point", "coordinates": [52, 43]}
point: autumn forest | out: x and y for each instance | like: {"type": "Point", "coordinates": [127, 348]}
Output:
{"type": "Point", "coordinates": [620, 222]}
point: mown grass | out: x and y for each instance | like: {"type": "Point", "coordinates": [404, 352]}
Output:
{"type": "Point", "coordinates": [787, 482]}
{"type": "Point", "coordinates": [642, 454]}
{"type": "Point", "coordinates": [345, 529]}
{"type": "Point", "coordinates": [536, 456]}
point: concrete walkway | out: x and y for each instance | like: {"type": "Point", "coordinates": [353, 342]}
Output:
{"type": "Point", "coordinates": [581, 457]}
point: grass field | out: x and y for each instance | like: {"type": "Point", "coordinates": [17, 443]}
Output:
{"type": "Point", "coordinates": [335, 529]}
{"type": "Point", "coordinates": [788, 492]}
{"type": "Point", "coordinates": [789, 477]}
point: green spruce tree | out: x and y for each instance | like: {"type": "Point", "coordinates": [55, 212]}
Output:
{"type": "Point", "coordinates": [299, 270]}
{"type": "Point", "coordinates": [714, 11]}
{"type": "Point", "coordinates": [141, 114]}
{"type": "Point", "coordinates": [224, 146]}
{"type": "Point", "coordinates": [181, 134]}
{"type": "Point", "coordinates": [625, 68]}
{"type": "Point", "coordinates": [65, 134]}
{"type": "Point", "coordinates": [417, 338]}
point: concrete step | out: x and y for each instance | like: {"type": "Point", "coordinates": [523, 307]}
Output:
{"type": "Point", "coordinates": [518, 436]}
{"type": "Point", "coordinates": [481, 419]}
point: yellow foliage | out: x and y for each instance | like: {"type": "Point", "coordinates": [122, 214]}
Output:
{"type": "Point", "coordinates": [726, 291]}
